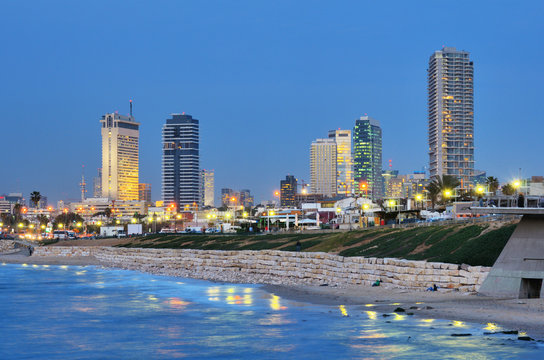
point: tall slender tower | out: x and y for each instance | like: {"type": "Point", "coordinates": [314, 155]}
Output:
{"type": "Point", "coordinates": [323, 167]}
{"type": "Point", "coordinates": [451, 115]}
{"type": "Point", "coordinates": [208, 187]}
{"type": "Point", "coordinates": [344, 161]}
{"type": "Point", "coordinates": [367, 157]}
{"type": "Point", "coordinates": [181, 162]}
{"type": "Point", "coordinates": [120, 144]}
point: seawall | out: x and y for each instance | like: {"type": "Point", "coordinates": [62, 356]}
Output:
{"type": "Point", "coordinates": [282, 267]}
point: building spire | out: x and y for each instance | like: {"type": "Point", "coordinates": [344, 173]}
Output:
{"type": "Point", "coordinates": [130, 107]}
{"type": "Point", "coordinates": [82, 184]}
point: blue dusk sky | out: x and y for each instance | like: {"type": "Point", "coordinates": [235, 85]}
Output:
{"type": "Point", "coordinates": [264, 78]}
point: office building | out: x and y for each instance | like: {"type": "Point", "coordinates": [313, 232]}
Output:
{"type": "Point", "coordinates": [246, 199]}
{"type": "Point", "coordinates": [451, 115]}
{"type": "Point", "coordinates": [120, 143]}
{"type": "Point", "coordinates": [288, 190]}
{"type": "Point", "coordinates": [208, 187]}
{"type": "Point", "coordinates": [367, 157]}
{"type": "Point", "coordinates": [344, 161]}
{"type": "Point", "coordinates": [323, 167]}
{"type": "Point", "coordinates": [181, 162]}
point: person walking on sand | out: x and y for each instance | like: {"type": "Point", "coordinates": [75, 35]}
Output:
{"type": "Point", "coordinates": [299, 245]}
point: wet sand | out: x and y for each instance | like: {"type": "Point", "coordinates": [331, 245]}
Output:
{"type": "Point", "coordinates": [524, 315]}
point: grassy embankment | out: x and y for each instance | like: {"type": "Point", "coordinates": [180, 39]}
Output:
{"type": "Point", "coordinates": [470, 244]}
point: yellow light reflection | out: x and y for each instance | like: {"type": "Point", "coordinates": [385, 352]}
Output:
{"type": "Point", "coordinates": [64, 267]}
{"type": "Point", "coordinates": [248, 300]}
{"type": "Point", "coordinates": [492, 327]}
{"type": "Point", "coordinates": [399, 317]}
{"type": "Point", "coordinates": [370, 305]}
{"type": "Point", "coordinates": [419, 303]}
{"type": "Point", "coordinates": [522, 333]}
{"type": "Point", "coordinates": [372, 315]}
{"type": "Point", "coordinates": [275, 303]}
{"type": "Point", "coordinates": [34, 266]}
{"type": "Point", "coordinates": [459, 323]}
{"type": "Point", "coordinates": [343, 310]}
{"type": "Point", "coordinates": [152, 298]}
{"type": "Point", "coordinates": [427, 320]}
{"type": "Point", "coordinates": [45, 266]}
{"type": "Point", "coordinates": [230, 290]}
{"type": "Point", "coordinates": [395, 304]}
{"type": "Point", "coordinates": [248, 290]}
{"type": "Point", "coordinates": [25, 265]}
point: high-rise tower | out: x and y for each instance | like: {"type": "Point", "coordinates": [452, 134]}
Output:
{"type": "Point", "coordinates": [181, 162]}
{"type": "Point", "coordinates": [323, 167]}
{"type": "Point", "coordinates": [451, 115]}
{"type": "Point", "coordinates": [344, 161]}
{"type": "Point", "coordinates": [367, 157]}
{"type": "Point", "coordinates": [120, 143]}
{"type": "Point", "coordinates": [208, 187]}
{"type": "Point", "coordinates": [288, 190]}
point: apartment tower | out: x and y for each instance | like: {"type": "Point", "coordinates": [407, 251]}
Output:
{"type": "Point", "coordinates": [451, 115]}
{"type": "Point", "coordinates": [344, 161]}
{"type": "Point", "coordinates": [323, 167]}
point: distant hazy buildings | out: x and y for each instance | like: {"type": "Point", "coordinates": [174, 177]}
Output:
{"type": "Point", "coordinates": [208, 187]}
{"type": "Point", "coordinates": [344, 161]}
{"type": "Point", "coordinates": [232, 198]}
{"type": "Point", "coordinates": [97, 184]}
{"type": "Point", "coordinates": [120, 142]}
{"type": "Point", "coordinates": [144, 193]}
{"type": "Point", "coordinates": [181, 161]}
{"type": "Point", "coordinates": [451, 115]}
{"type": "Point", "coordinates": [323, 167]}
{"type": "Point", "coordinates": [288, 190]}
{"type": "Point", "coordinates": [367, 157]}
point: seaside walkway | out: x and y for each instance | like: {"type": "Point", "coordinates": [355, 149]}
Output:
{"type": "Point", "coordinates": [519, 269]}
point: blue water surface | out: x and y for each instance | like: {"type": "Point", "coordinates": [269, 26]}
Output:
{"type": "Point", "coordinates": [73, 312]}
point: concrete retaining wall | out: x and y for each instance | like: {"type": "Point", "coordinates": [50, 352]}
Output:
{"type": "Point", "coordinates": [282, 267]}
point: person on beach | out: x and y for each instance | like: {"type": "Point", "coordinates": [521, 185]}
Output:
{"type": "Point", "coordinates": [299, 245]}
{"type": "Point", "coordinates": [377, 283]}
{"type": "Point", "coordinates": [432, 288]}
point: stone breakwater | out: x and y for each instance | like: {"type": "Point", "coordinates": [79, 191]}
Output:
{"type": "Point", "coordinates": [7, 245]}
{"type": "Point", "coordinates": [282, 267]}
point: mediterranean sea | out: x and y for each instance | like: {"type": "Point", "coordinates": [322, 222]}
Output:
{"type": "Point", "coordinates": [74, 312]}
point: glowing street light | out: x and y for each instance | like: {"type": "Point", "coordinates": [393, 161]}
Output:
{"type": "Point", "coordinates": [20, 225]}
{"type": "Point", "coordinates": [60, 226]}
{"type": "Point", "coordinates": [366, 206]}
{"type": "Point", "coordinates": [447, 193]}
{"type": "Point", "coordinates": [419, 197]}
{"type": "Point", "coordinates": [480, 189]}
{"type": "Point", "coordinates": [516, 184]}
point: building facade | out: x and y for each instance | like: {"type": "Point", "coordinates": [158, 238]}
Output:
{"type": "Point", "coordinates": [208, 187]}
{"type": "Point", "coordinates": [97, 184]}
{"type": "Point", "coordinates": [367, 157]}
{"type": "Point", "coordinates": [451, 115]}
{"type": "Point", "coordinates": [120, 146]}
{"type": "Point", "coordinates": [323, 167]}
{"type": "Point", "coordinates": [288, 191]}
{"type": "Point", "coordinates": [344, 161]}
{"type": "Point", "coordinates": [181, 162]}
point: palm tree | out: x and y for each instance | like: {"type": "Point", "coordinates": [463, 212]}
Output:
{"type": "Point", "coordinates": [440, 185]}
{"type": "Point", "coordinates": [492, 184]}
{"type": "Point", "coordinates": [508, 189]}
{"type": "Point", "coordinates": [35, 197]}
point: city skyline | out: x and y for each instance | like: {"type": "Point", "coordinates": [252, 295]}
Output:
{"type": "Point", "coordinates": [250, 127]}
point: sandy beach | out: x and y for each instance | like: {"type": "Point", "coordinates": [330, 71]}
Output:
{"type": "Point", "coordinates": [524, 315]}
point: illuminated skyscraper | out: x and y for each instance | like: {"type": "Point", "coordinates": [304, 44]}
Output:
{"type": "Point", "coordinates": [288, 190]}
{"type": "Point", "coordinates": [120, 142]}
{"type": "Point", "coordinates": [344, 161]}
{"type": "Point", "coordinates": [208, 187]}
{"type": "Point", "coordinates": [451, 115]}
{"type": "Point", "coordinates": [367, 157]}
{"type": "Point", "coordinates": [181, 162]}
{"type": "Point", "coordinates": [323, 167]}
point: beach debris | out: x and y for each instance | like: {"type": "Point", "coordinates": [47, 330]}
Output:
{"type": "Point", "coordinates": [386, 315]}
{"type": "Point", "coordinates": [410, 313]}
{"type": "Point", "coordinates": [429, 308]}
{"type": "Point", "coordinates": [462, 334]}
{"type": "Point", "coordinates": [525, 338]}
{"type": "Point", "coordinates": [324, 285]}
{"type": "Point", "coordinates": [399, 309]}
{"type": "Point", "coordinates": [414, 308]}
{"type": "Point", "coordinates": [510, 332]}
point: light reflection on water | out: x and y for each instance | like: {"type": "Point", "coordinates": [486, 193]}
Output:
{"type": "Point", "coordinates": [86, 312]}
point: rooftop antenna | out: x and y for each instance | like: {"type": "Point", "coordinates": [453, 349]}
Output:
{"type": "Point", "coordinates": [82, 184]}
{"type": "Point", "coordinates": [130, 107]}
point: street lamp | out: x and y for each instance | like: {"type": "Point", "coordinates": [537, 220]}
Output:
{"type": "Point", "coordinates": [270, 213]}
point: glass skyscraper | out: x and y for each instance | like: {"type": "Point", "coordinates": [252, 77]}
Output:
{"type": "Point", "coordinates": [367, 157]}
{"type": "Point", "coordinates": [288, 191]}
{"type": "Point", "coordinates": [451, 115]}
{"type": "Point", "coordinates": [181, 162]}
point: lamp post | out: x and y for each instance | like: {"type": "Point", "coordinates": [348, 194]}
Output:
{"type": "Point", "coordinates": [270, 213]}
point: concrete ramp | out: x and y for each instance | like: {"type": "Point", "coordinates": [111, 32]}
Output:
{"type": "Point", "coordinates": [519, 270]}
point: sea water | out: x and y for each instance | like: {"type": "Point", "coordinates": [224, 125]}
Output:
{"type": "Point", "coordinates": [73, 312]}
